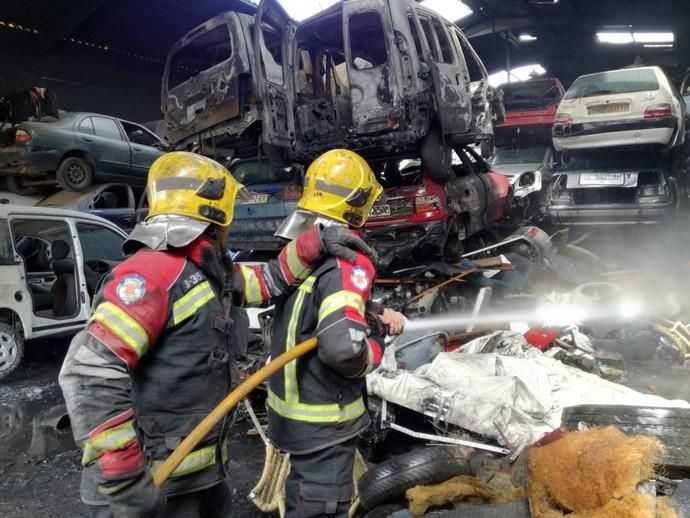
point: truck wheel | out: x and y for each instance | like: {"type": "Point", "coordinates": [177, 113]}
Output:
{"type": "Point", "coordinates": [11, 349]}
{"type": "Point", "coordinates": [670, 425]}
{"type": "Point", "coordinates": [16, 185]}
{"type": "Point", "coordinates": [389, 480]}
{"type": "Point", "coordinates": [437, 156]}
{"type": "Point", "coordinates": [75, 174]}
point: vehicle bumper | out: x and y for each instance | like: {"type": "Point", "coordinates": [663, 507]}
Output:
{"type": "Point", "coordinates": [610, 214]}
{"type": "Point", "coordinates": [17, 160]}
{"type": "Point", "coordinates": [619, 133]}
{"type": "Point", "coordinates": [255, 234]}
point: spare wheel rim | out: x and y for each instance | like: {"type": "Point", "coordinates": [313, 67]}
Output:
{"type": "Point", "coordinates": [8, 351]}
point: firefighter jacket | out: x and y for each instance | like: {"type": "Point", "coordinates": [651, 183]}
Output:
{"type": "Point", "coordinates": [155, 359]}
{"type": "Point", "coordinates": [316, 401]}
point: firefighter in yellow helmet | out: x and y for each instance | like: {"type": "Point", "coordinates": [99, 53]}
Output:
{"type": "Point", "coordinates": [316, 405]}
{"type": "Point", "coordinates": [157, 354]}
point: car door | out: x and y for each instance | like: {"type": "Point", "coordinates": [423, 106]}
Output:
{"type": "Point", "coordinates": [451, 89]}
{"type": "Point", "coordinates": [145, 148]}
{"type": "Point", "coordinates": [114, 202]}
{"type": "Point", "coordinates": [201, 81]}
{"type": "Point", "coordinates": [482, 94]}
{"type": "Point", "coordinates": [273, 32]}
{"type": "Point", "coordinates": [373, 62]}
{"type": "Point", "coordinates": [106, 144]}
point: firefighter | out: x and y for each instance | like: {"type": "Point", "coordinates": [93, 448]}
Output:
{"type": "Point", "coordinates": [315, 403]}
{"type": "Point", "coordinates": [156, 355]}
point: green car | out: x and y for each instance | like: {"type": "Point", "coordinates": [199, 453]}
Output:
{"type": "Point", "coordinates": [77, 150]}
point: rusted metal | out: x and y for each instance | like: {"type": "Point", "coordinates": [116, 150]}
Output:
{"type": "Point", "coordinates": [455, 278]}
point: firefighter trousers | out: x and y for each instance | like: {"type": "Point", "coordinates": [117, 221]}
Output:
{"type": "Point", "coordinates": [320, 483]}
{"type": "Point", "coordinates": [214, 502]}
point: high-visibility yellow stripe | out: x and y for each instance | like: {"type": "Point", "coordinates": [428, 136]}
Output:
{"type": "Point", "coordinates": [123, 326]}
{"type": "Point", "coordinates": [290, 407]}
{"type": "Point", "coordinates": [298, 269]}
{"type": "Point", "coordinates": [332, 413]}
{"type": "Point", "coordinates": [252, 286]}
{"type": "Point", "coordinates": [111, 439]}
{"type": "Point", "coordinates": [195, 461]}
{"type": "Point", "coordinates": [340, 300]}
{"type": "Point", "coordinates": [188, 304]}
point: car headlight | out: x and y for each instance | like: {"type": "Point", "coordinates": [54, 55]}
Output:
{"type": "Point", "coordinates": [526, 180]}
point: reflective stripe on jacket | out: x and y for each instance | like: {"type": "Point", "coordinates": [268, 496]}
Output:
{"type": "Point", "coordinates": [317, 400]}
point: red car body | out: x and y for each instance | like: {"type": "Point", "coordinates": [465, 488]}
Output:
{"type": "Point", "coordinates": [530, 102]}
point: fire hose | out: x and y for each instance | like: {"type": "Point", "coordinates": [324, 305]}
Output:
{"type": "Point", "coordinates": [204, 427]}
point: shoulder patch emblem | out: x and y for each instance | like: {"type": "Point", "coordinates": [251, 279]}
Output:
{"type": "Point", "coordinates": [131, 289]}
{"type": "Point", "coordinates": [359, 278]}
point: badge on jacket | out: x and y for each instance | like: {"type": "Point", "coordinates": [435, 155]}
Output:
{"type": "Point", "coordinates": [359, 278]}
{"type": "Point", "coordinates": [131, 289]}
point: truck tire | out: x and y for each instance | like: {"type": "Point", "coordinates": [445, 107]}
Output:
{"type": "Point", "coordinates": [389, 480]}
{"type": "Point", "coordinates": [75, 174]}
{"type": "Point", "coordinates": [670, 425]}
{"type": "Point", "coordinates": [437, 156]}
{"type": "Point", "coordinates": [11, 349]}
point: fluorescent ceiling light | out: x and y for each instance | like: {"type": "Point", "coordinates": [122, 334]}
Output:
{"type": "Point", "coordinates": [616, 38]}
{"type": "Point", "coordinates": [653, 37]}
{"type": "Point", "coordinates": [452, 10]}
{"type": "Point", "coordinates": [527, 37]}
{"type": "Point", "coordinates": [658, 45]}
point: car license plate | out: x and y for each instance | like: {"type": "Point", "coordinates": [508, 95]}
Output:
{"type": "Point", "coordinates": [602, 179]}
{"type": "Point", "coordinates": [608, 108]}
{"type": "Point", "coordinates": [254, 198]}
{"type": "Point", "coordinates": [380, 210]}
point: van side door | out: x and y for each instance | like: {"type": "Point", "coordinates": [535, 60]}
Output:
{"type": "Point", "coordinates": [451, 90]}
{"type": "Point", "coordinates": [373, 66]}
{"type": "Point", "coordinates": [273, 30]}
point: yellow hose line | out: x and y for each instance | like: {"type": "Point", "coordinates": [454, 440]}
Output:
{"type": "Point", "coordinates": [204, 427]}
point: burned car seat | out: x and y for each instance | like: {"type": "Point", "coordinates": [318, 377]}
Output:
{"type": "Point", "coordinates": [64, 291]}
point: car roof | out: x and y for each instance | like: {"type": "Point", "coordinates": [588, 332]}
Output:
{"type": "Point", "coordinates": [654, 68]}
{"type": "Point", "coordinates": [74, 199]}
{"type": "Point", "coordinates": [8, 210]}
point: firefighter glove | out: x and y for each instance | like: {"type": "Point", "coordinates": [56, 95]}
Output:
{"type": "Point", "coordinates": [342, 242]}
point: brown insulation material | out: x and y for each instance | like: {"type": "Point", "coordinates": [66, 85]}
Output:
{"type": "Point", "coordinates": [593, 474]}
{"type": "Point", "coordinates": [454, 491]}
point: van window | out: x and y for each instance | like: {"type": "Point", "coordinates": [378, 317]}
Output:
{"type": "Point", "coordinates": [205, 51]}
{"type": "Point", "coordinates": [431, 40]}
{"type": "Point", "coordinates": [367, 41]}
{"type": "Point", "coordinates": [415, 37]}
{"type": "Point", "coordinates": [99, 243]}
{"type": "Point", "coordinates": [446, 52]}
{"type": "Point", "coordinates": [613, 82]}
{"type": "Point", "coordinates": [273, 60]}
{"type": "Point", "coordinates": [6, 250]}
{"type": "Point", "coordinates": [475, 70]}
{"type": "Point", "coordinates": [305, 73]}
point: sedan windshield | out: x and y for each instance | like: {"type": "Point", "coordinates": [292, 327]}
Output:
{"type": "Point", "coordinates": [255, 172]}
{"type": "Point", "coordinates": [525, 155]}
{"type": "Point", "coordinates": [613, 82]}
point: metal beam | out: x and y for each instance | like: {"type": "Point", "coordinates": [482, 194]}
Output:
{"type": "Point", "coordinates": [497, 25]}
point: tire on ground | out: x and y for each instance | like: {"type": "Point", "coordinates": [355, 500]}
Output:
{"type": "Point", "coordinates": [670, 425]}
{"type": "Point", "coordinates": [11, 349]}
{"type": "Point", "coordinates": [75, 174]}
{"type": "Point", "coordinates": [437, 156]}
{"type": "Point", "coordinates": [389, 480]}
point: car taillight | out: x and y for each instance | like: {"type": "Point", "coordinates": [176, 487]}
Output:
{"type": "Point", "coordinates": [562, 119]}
{"type": "Point", "coordinates": [292, 193]}
{"type": "Point", "coordinates": [658, 110]}
{"type": "Point", "coordinates": [427, 203]}
{"type": "Point", "coordinates": [21, 137]}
